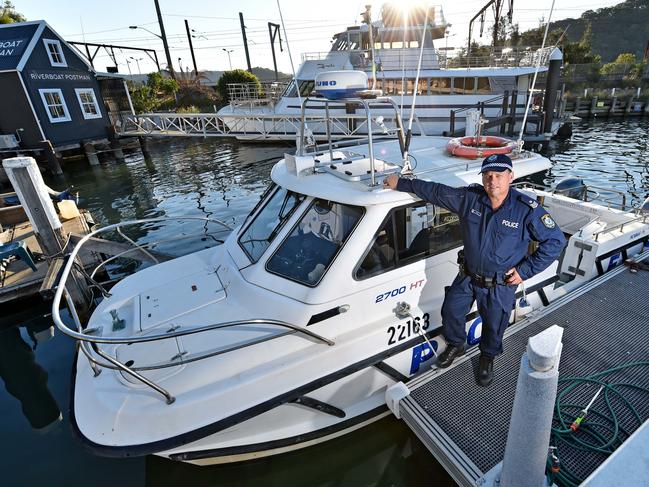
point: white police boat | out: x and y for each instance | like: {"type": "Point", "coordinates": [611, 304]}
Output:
{"type": "Point", "coordinates": [289, 333]}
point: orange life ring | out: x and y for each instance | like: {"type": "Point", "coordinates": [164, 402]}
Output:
{"type": "Point", "coordinates": [472, 147]}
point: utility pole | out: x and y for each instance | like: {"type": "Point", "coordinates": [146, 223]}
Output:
{"type": "Point", "coordinates": [191, 47]}
{"type": "Point", "coordinates": [163, 36]}
{"type": "Point", "coordinates": [273, 31]}
{"type": "Point", "coordinates": [245, 41]}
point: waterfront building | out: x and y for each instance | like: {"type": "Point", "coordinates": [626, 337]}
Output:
{"type": "Point", "coordinates": [49, 91]}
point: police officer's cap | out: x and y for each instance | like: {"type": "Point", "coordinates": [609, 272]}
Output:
{"type": "Point", "coordinates": [497, 163]}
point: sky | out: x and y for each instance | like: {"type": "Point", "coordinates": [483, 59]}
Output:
{"type": "Point", "coordinates": [217, 35]}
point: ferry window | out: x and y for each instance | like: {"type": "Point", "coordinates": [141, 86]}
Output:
{"type": "Point", "coordinates": [279, 207]}
{"type": "Point", "coordinates": [483, 86]}
{"type": "Point", "coordinates": [440, 86]}
{"type": "Point", "coordinates": [57, 110]}
{"type": "Point", "coordinates": [315, 241]}
{"type": "Point", "coordinates": [88, 103]}
{"type": "Point", "coordinates": [422, 89]}
{"type": "Point", "coordinates": [409, 235]}
{"type": "Point", "coordinates": [291, 90]}
{"type": "Point", "coordinates": [55, 53]}
{"type": "Point", "coordinates": [463, 86]}
{"type": "Point", "coordinates": [306, 87]}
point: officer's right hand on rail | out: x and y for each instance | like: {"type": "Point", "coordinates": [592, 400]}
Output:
{"type": "Point", "coordinates": [391, 181]}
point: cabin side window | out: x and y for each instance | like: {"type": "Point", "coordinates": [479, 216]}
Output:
{"type": "Point", "coordinates": [263, 229]}
{"type": "Point", "coordinates": [312, 245]}
{"type": "Point", "coordinates": [409, 235]}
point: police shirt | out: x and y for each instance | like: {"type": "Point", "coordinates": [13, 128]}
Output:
{"type": "Point", "coordinates": [496, 241]}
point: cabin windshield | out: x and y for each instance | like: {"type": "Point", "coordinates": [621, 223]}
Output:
{"type": "Point", "coordinates": [314, 242]}
{"type": "Point", "coordinates": [278, 206]}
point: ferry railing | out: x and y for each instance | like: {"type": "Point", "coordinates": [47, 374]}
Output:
{"type": "Point", "coordinates": [394, 58]}
{"type": "Point", "coordinates": [263, 92]}
{"type": "Point", "coordinates": [89, 339]}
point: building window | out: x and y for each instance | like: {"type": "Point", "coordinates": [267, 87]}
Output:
{"type": "Point", "coordinates": [55, 106]}
{"type": "Point", "coordinates": [55, 53]}
{"type": "Point", "coordinates": [88, 103]}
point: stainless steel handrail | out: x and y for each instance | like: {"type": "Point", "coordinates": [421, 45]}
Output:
{"type": "Point", "coordinates": [86, 337]}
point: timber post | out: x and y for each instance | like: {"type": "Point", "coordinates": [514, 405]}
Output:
{"type": "Point", "coordinates": [53, 163]}
{"type": "Point", "coordinates": [504, 110]}
{"type": "Point", "coordinates": [144, 146]}
{"type": "Point", "coordinates": [91, 153]}
{"type": "Point", "coordinates": [115, 144]}
{"type": "Point", "coordinates": [593, 105]}
{"type": "Point", "coordinates": [28, 183]}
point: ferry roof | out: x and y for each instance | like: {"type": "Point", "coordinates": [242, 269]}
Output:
{"type": "Point", "coordinates": [430, 161]}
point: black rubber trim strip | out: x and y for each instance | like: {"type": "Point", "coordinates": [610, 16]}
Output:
{"type": "Point", "coordinates": [391, 372]}
{"type": "Point", "coordinates": [323, 407]}
{"type": "Point", "coordinates": [325, 315]}
{"type": "Point", "coordinates": [271, 445]}
{"type": "Point", "coordinates": [256, 410]}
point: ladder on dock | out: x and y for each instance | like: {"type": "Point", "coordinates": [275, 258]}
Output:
{"type": "Point", "coordinates": [465, 426]}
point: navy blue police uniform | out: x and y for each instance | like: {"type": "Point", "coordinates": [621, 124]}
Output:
{"type": "Point", "coordinates": [494, 242]}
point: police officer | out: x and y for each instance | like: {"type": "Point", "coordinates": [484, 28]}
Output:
{"type": "Point", "coordinates": [498, 222]}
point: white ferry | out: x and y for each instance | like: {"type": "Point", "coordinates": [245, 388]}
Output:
{"type": "Point", "coordinates": [390, 54]}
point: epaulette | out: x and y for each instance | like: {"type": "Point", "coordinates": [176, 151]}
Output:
{"type": "Point", "coordinates": [531, 202]}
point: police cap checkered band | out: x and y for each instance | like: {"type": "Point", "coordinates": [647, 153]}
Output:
{"type": "Point", "coordinates": [497, 163]}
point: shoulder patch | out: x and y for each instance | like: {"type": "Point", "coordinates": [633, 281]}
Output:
{"type": "Point", "coordinates": [548, 221]}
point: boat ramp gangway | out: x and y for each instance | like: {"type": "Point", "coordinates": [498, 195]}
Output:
{"type": "Point", "coordinates": [252, 126]}
{"type": "Point", "coordinates": [465, 426]}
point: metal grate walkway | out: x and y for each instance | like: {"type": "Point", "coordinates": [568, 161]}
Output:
{"type": "Point", "coordinates": [465, 426]}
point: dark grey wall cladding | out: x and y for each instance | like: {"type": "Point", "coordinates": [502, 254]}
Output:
{"type": "Point", "coordinates": [39, 74]}
{"type": "Point", "coordinates": [16, 112]}
{"type": "Point", "coordinates": [13, 42]}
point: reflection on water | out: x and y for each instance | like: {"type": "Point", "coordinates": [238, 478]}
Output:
{"type": "Point", "coordinates": [223, 179]}
{"type": "Point", "coordinates": [24, 379]}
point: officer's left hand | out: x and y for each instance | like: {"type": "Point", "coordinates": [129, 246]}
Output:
{"type": "Point", "coordinates": [512, 277]}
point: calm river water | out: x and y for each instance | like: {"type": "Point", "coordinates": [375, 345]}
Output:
{"type": "Point", "coordinates": [224, 179]}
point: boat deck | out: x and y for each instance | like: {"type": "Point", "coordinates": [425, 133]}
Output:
{"type": "Point", "coordinates": [605, 325]}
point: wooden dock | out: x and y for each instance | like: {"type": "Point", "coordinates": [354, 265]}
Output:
{"type": "Point", "coordinates": [20, 281]}
{"type": "Point", "coordinates": [614, 106]}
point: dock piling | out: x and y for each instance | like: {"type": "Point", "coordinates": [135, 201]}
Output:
{"type": "Point", "coordinates": [30, 188]}
{"type": "Point", "coordinates": [53, 163]}
{"type": "Point", "coordinates": [91, 153]}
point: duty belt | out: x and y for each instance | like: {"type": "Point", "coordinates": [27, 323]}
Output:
{"type": "Point", "coordinates": [482, 281]}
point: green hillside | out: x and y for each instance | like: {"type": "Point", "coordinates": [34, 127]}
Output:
{"type": "Point", "coordinates": [621, 28]}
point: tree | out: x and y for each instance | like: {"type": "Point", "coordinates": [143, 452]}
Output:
{"type": "Point", "coordinates": [237, 76]}
{"type": "Point", "coordinates": [154, 93]}
{"type": "Point", "coordinates": [8, 14]}
{"type": "Point", "coordinates": [624, 67]}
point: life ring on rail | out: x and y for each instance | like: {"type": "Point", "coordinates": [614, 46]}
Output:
{"type": "Point", "coordinates": [474, 147]}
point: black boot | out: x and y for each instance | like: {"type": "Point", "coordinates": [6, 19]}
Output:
{"type": "Point", "coordinates": [486, 370]}
{"type": "Point", "coordinates": [447, 356]}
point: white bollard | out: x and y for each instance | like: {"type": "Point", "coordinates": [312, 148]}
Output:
{"type": "Point", "coordinates": [531, 422]}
